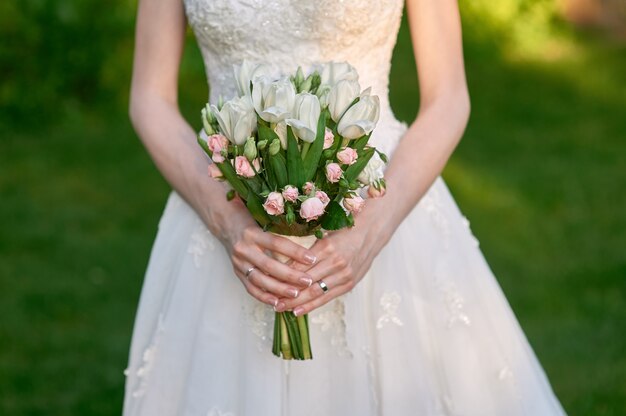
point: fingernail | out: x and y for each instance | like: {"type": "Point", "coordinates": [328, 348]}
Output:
{"type": "Point", "coordinates": [279, 307]}
{"type": "Point", "coordinates": [298, 311]}
{"type": "Point", "coordinates": [311, 259]}
{"type": "Point", "coordinates": [306, 281]}
{"type": "Point", "coordinates": [275, 302]}
{"type": "Point", "coordinates": [293, 292]}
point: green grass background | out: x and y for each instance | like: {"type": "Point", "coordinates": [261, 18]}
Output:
{"type": "Point", "coordinates": [541, 173]}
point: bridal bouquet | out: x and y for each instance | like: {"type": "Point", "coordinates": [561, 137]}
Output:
{"type": "Point", "coordinates": [295, 150]}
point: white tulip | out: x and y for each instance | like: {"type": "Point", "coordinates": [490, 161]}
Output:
{"type": "Point", "coordinates": [246, 73]}
{"type": "Point", "coordinates": [281, 132]}
{"type": "Point", "coordinates": [237, 119]}
{"type": "Point", "coordinates": [373, 171]}
{"type": "Point", "coordinates": [333, 72]}
{"type": "Point", "coordinates": [341, 96]}
{"type": "Point", "coordinates": [361, 118]}
{"type": "Point", "coordinates": [306, 114]}
{"type": "Point", "coordinates": [273, 100]}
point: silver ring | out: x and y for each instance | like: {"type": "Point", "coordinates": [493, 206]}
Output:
{"type": "Point", "coordinates": [249, 271]}
{"type": "Point", "coordinates": [323, 286]}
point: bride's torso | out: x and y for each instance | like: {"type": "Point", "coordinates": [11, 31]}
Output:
{"type": "Point", "coordinates": [291, 33]}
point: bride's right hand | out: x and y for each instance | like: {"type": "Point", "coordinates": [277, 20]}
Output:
{"type": "Point", "coordinates": [249, 248]}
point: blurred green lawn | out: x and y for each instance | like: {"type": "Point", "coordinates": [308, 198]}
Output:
{"type": "Point", "coordinates": [541, 173]}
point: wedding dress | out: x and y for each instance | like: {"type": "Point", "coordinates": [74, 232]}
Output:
{"type": "Point", "coordinates": [427, 331]}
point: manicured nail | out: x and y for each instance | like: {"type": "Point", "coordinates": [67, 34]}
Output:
{"type": "Point", "coordinates": [306, 281]}
{"type": "Point", "coordinates": [279, 307]}
{"type": "Point", "coordinates": [293, 292]}
{"type": "Point", "coordinates": [311, 259]}
{"type": "Point", "coordinates": [298, 311]}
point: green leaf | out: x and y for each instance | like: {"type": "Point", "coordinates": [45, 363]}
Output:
{"type": "Point", "coordinates": [203, 145]}
{"type": "Point", "coordinates": [265, 133]}
{"type": "Point", "coordinates": [335, 217]}
{"type": "Point", "coordinates": [360, 143]}
{"type": "Point", "coordinates": [355, 169]}
{"type": "Point", "coordinates": [231, 176]}
{"type": "Point", "coordinates": [256, 209]}
{"type": "Point", "coordinates": [312, 158]}
{"type": "Point", "coordinates": [295, 170]}
{"type": "Point", "coordinates": [278, 164]}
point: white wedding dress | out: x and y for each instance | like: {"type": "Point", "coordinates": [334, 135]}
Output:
{"type": "Point", "coordinates": [427, 331]}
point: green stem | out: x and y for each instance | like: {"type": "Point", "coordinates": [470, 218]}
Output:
{"type": "Point", "coordinates": [305, 149]}
{"type": "Point", "coordinates": [277, 343]}
{"type": "Point", "coordinates": [294, 335]}
{"type": "Point", "coordinates": [285, 346]}
{"type": "Point", "coordinates": [304, 337]}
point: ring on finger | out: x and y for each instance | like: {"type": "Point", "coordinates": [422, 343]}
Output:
{"type": "Point", "coordinates": [323, 286]}
{"type": "Point", "coordinates": [249, 272]}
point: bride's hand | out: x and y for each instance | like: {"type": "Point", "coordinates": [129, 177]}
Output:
{"type": "Point", "coordinates": [265, 278]}
{"type": "Point", "coordinates": [344, 258]}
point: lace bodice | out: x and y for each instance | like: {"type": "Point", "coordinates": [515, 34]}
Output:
{"type": "Point", "coordinates": [289, 33]}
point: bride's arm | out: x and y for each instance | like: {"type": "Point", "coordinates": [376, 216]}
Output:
{"type": "Point", "coordinates": [172, 145]}
{"type": "Point", "coordinates": [417, 161]}
{"type": "Point", "coordinates": [444, 111]}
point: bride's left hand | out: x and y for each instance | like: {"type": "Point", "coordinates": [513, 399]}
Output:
{"type": "Point", "coordinates": [344, 258]}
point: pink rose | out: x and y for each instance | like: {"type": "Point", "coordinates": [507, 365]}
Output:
{"type": "Point", "coordinates": [274, 204]}
{"type": "Point", "coordinates": [374, 192]}
{"type": "Point", "coordinates": [308, 188]}
{"type": "Point", "coordinates": [329, 138]}
{"type": "Point", "coordinates": [354, 204]}
{"type": "Point", "coordinates": [347, 156]}
{"type": "Point", "coordinates": [215, 143]}
{"type": "Point", "coordinates": [214, 171]}
{"type": "Point", "coordinates": [321, 195]}
{"type": "Point", "coordinates": [333, 172]}
{"type": "Point", "coordinates": [311, 209]}
{"type": "Point", "coordinates": [290, 193]}
{"type": "Point", "coordinates": [243, 167]}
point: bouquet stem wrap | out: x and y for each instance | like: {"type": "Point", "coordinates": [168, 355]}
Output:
{"type": "Point", "coordinates": [291, 333]}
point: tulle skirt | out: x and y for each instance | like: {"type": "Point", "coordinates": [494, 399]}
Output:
{"type": "Point", "coordinates": [427, 332]}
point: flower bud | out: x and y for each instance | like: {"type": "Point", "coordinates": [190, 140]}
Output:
{"type": "Point", "coordinates": [306, 85]}
{"type": "Point", "coordinates": [316, 80]}
{"type": "Point", "coordinates": [206, 123]}
{"type": "Point", "coordinates": [262, 144]}
{"type": "Point", "coordinates": [299, 79]}
{"type": "Point", "coordinates": [274, 147]}
{"type": "Point", "coordinates": [249, 149]}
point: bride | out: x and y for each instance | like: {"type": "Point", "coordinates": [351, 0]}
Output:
{"type": "Point", "coordinates": [413, 323]}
